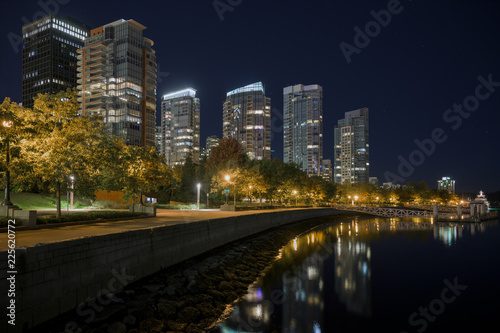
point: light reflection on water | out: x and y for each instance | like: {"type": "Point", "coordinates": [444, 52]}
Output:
{"type": "Point", "coordinates": [325, 275]}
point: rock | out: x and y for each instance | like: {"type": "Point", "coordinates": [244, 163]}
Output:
{"type": "Point", "coordinates": [176, 326]}
{"type": "Point", "coordinates": [225, 285]}
{"type": "Point", "coordinates": [193, 329]}
{"type": "Point", "coordinates": [190, 272]}
{"type": "Point", "coordinates": [134, 330]}
{"type": "Point", "coordinates": [206, 309]}
{"type": "Point", "coordinates": [144, 297]}
{"type": "Point", "coordinates": [151, 325]}
{"type": "Point", "coordinates": [207, 322]}
{"type": "Point", "coordinates": [129, 320]}
{"type": "Point", "coordinates": [191, 283]}
{"type": "Point", "coordinates": [167, 310]}
{"type": "Point", "coordinates": [154, 287]}
{"type": "Point", "coordinates": [170, 290]}
{"type": "Point", "coordinates": [143, 313]}
{"type": "Point", "coordinates": [117, 328]}
{"type": "Point", "coordinates": [189, 314]}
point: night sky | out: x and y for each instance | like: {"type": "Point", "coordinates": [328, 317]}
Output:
{"type": "Point", "coordinates": [411, 71]}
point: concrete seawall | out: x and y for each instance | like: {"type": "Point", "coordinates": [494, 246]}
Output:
{"type": "Point", "coordinates": [55, 278]}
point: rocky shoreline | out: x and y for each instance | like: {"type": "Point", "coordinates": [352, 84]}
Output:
{"type": "Point", "coordinates": [192, 296]}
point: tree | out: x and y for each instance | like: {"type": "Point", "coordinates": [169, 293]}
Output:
{"type": "Point", "coordinates": [137, 171]}
{"type": "Point", "coordinates": [229, 154]}
{"type": "Point", "coordinates": [54, 143]}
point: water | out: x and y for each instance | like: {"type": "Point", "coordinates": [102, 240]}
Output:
{"type": "Point", "coordinates": [379, 275]}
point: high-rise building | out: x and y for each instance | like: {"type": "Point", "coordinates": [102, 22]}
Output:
{"type": "Point", "coordinates": [180, 122]}
{"type": "Point", "coordinates": [247, 118]}
{"type": "Point", "coordinates": [117, 80]}
{"type": "Point", "coordinates": [303, 127]}
{"type": "Point", "coordinates": [158, 139]}
{"type": "Point", "coordinates": [446, 183]}
{"type": "Point", "coordinates": [326, 170]}
{"type": "Point", "coordinates": [210, 142]}
{"type": "Point", "coordinates": [49, 55]}
{"type": "Point", "coordinates": [374, 181]}
{"type": "Point", "coordinates": [352, 148]}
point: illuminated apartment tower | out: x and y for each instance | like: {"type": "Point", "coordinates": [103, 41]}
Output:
{"type": "Point", "coordinates": [117, 80]}
{"type": "Point", "coordinates": [49, 55]}
{"type": "Point", "coordinates": [247, 118]}
{"type": "Point", "coordinates": [352, 148]}
{"type": "Point", "coordinates": [211, 142]}
{"type": "Point", "coordinates": [180, 123]}
{"type": "Point", "coordinates": [303, 127]}
{"type": "Point", "coordinates": [446, 183]}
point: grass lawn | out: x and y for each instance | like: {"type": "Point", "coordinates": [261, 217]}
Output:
{"type": "Point", "coordinates": [32, 201]}
{"type": "Point", "coordinates": [37, 201]}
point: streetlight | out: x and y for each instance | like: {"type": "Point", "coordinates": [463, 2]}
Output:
{"type": "Point", "coordinates": [356, 198]}
{"type": "Point", "coordinates": [295, 193]}
{"type": "Point", "coordinates": [198, 186]}
{"type": "Point", "coordinates": [227, 178]}
{"type": "Point", "coordinates": [7, 124]}
{"type": "Point", "coordinates": [72, 192]}
{"type": "Point", "coordinates": [250, 194]}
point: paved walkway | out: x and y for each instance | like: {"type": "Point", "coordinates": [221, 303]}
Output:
{"type": "Point", "coordinates": [27, 238]}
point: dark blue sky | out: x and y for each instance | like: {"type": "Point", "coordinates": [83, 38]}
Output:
{"type": "Point", "coordinates": [425, 60]}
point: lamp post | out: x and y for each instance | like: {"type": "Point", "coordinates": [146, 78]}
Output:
{"type": "Point", "coordinates": [198, 186]}
{"type": "Point", "coordinates": [227, 178]}
{"type": "Point", "coordinates": [72, 187]}
{"type": "Point", "coordinates": [250, 194]}
{"type": "Point", "coordinates": [295, 193]}
{"type": "Point", "coordinates": [207, 202]}
{"type": "Point", "coordinates": [356, 199]}
{"type": "Point", "coordinates": [6, 202]}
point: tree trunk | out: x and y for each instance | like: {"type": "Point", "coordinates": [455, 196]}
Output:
{"type": "Point", "coordinates": [58, 201]}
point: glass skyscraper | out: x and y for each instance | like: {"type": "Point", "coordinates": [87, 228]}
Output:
{"type": "Point", "coordinates": [247, 118]}
{"type": "Point", "coordinates": [180, 126]}
{"type": "Point", "coordinates": [49, 55]}
{"type": "Point", "coordinates": [117, 80]}
{"type": "Point", "coordinates": [303, 127]}
{"type": "Point", "coordinates": [352, 148]}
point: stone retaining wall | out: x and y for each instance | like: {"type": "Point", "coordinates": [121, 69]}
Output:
{"type": "Point", "coordinates": [57, 277]}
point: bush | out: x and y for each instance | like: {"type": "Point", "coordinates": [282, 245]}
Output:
{"type": "Point", "coordinates": [4, 221]}
{"type": "Point", "coordinates": [105, 204]}
{"type": "Point", "coordinates": [86, 216]}
{"type": "Point", "coordinates": [180, 206]}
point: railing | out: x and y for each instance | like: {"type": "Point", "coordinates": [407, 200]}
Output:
{"type": "Point", "coordinates": [394, 212]}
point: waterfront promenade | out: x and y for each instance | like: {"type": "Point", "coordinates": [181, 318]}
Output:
{"type": "Point", "coordinates": [164, 217]}
{"type": "Point", "coordinates": [76, 263]}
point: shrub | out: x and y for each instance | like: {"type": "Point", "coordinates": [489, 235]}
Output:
{"type": "Point", "coordinates": [92, 215]}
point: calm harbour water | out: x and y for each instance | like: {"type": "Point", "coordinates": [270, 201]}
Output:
{"type": "Point", "coordinates": [370, 274]}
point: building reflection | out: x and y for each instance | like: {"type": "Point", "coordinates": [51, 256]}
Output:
{"type": "Point", "coordinates": [303, 289]}
{"type": "Point", "coordinates": [352, 269]}
{"type": "Point", "coordinates": [450, 232]}
{"type": "Point", "coordinates": [333, 263]}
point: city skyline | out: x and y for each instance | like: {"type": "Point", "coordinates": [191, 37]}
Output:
{"type": "Point", "coordinates": [410, 72]}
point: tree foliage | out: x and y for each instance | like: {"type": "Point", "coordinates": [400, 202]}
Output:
{"type": "Point", "coordinates": [51, 143]}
